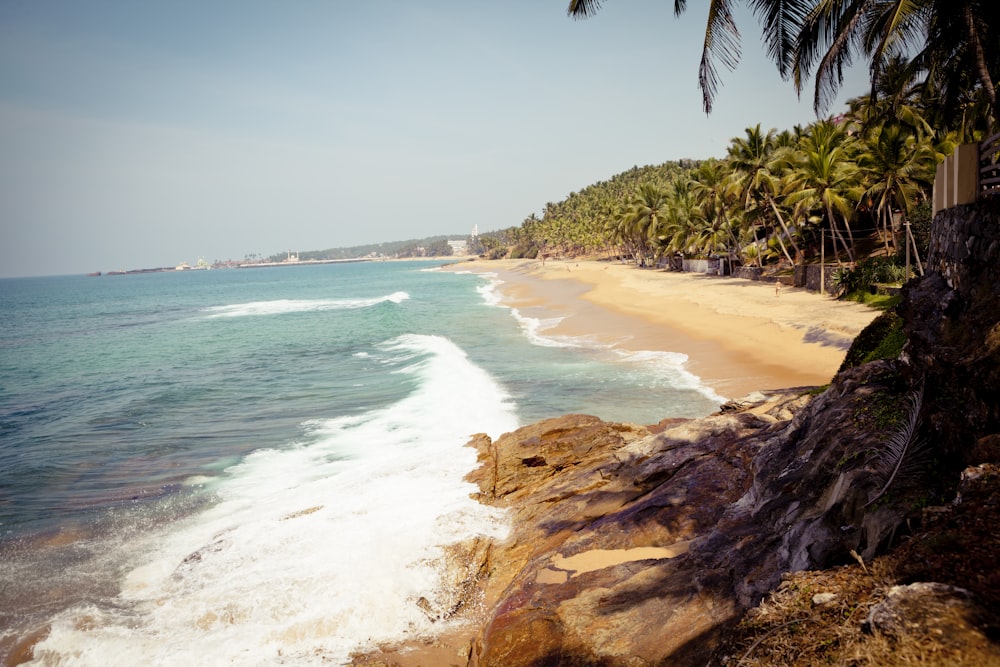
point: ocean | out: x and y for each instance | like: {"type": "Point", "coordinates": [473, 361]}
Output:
{"type": "Point", "coordinates": [264, 466]}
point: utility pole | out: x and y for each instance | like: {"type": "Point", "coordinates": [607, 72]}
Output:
{"type": "Point", "coordinates": [822, 261]}
{"type": "Point", "coordinates": [907, 224]}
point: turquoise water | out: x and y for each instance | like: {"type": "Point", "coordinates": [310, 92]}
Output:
{"type": "Point", "coordinates": [253, 466]}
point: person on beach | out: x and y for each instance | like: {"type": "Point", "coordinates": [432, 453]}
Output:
{"type": "Point", "coordinates": [777, 288]}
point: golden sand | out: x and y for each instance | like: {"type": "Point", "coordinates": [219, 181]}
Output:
{"type": "Point", "coordinates": [739, 335]}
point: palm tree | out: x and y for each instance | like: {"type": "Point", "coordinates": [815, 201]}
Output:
{"type": "Point", "coordinates": [779, 19]}
{"type": "Point", "coordinates": [646, 214]}
{"type": "Point", "coordinates": [898, 168]}
{"type": "Point", "coordinates": [826, 178]}
{"type": "Point", "coordinates": [756, 163]}
{"type": "Point", "coordinates": [716, 199]}
{"type": "Point", "coordinates": [950, 37]}
{"type": "Point", "coordinates": [679, 229]}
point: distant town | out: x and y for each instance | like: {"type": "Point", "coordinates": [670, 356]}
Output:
{"type": "Point", "coordinates": [437, 246]}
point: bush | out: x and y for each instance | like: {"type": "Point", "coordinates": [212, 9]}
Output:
{"type": "Point", "coordinates": [867, 273]}
{"type": "Point", "coordinates": [883, 338]}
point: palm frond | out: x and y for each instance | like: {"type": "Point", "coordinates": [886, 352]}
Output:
{"type": "Point", "coordinates": [901, 455]}
{"type": "Point", "coordinates": [582, 9]}
{"type": "Point", "coordinates": [722, 42]}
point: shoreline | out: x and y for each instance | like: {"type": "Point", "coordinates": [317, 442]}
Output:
{"type": "Point", "coordinates": [739, 336]}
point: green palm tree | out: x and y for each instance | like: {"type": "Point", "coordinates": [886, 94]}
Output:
{"type": "Point", "coordinates": [954, 41]}
{"type": "Point", "coordinates": [644, 217]}
{"type": "Point", "coordinates": [716, 199]}
{"type": "Point", "coordinates": [757, 164]}
{"type": "Point", "coordinates": [898, 169]}
{"type": "Point", "coordinates": [679, 228]}
{"type": "Point", "coordinates": [826, 178]}
{"type": "Point", "coordinates": [951, 40]}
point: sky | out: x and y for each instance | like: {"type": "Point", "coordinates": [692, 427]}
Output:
{"type": "Point", "coordinates": [146, 134]}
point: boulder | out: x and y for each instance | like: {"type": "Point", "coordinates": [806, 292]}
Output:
{"type": "Point", "coordinates": [947, 616]}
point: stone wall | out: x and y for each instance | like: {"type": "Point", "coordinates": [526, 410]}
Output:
{"type": "Point", "coordinates": [965, 241]}
{"type": "Point", "coordinates": [952, 321]}
{"type": "Point", "coordinates": [709, 266]}
{"type": "Point", "coordinates": [807, 276]}
{"type": "Point", "coordinates": [747, 272]}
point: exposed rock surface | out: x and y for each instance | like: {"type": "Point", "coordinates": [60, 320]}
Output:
{"type": "Point", "coordinates": [953, 330]}
{"type": "Point", "coordinates": [632, 548]}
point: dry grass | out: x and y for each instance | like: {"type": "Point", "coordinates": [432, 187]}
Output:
{"type": "Point", "coordinates": [955, 545]}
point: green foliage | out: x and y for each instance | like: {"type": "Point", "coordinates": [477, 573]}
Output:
{"type": "Point", "coordinates": [920, 227]}
{"type": "Point", "coordinates": [875, 301]}
{"type": "Point", "coordinates": [524, 251]}
{"type": "Point", "coordinates": [585, 222]}
{"type": "Point", "coordinates": [883, 338]}
{"type": "Point", "coordinates": [433, 246]}
{"type": "Point", "coordinates": [901, 455]}
{"type": "Point", "coordinates": [867, 274]}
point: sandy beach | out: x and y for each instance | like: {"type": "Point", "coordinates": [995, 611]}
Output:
{"type": "Point", "coordinates": [739, 336]}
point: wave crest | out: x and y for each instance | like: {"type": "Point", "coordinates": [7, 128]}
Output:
{"type": "Point", "coordinates": [285, 306]}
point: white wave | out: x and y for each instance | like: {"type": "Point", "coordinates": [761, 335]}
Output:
{"type": "Point", "coordinates": [314, 551]}
{"type": "Point", "coordinates": [672, 366]}
{"type": "Point", "coordinates": [284, 306]}
{"type": "Point", "coordinates": [490, 289]}
{"type": "Point", "coordinates": [534, 329]}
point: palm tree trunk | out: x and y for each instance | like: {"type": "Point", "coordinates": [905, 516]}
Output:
{"type": "Point", "coordinates": [756, 240]}
{"type": "Point", "coordinates": [837, 236]}
{"type": "Point", "coordinates": [981, 69]}
{"type": "Point", "coordinates": [774, 207]}
{"type": "Point", "coordinates": [885, 213]}
{"type": "Point", "coordinates": [784, 249]}
{"type": "Point", "coordinates": [850, 234]}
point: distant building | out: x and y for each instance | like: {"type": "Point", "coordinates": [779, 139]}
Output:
{"type": "Point", "coordinates": [459, 247]}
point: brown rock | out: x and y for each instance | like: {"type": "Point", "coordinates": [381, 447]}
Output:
{"type": "Point", "coordinates": [945, 615]}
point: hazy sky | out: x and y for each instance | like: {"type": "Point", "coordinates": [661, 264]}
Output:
{"type": "Point", "coordinates": [141, 134]}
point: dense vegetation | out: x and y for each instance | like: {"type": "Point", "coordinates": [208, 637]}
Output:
{"type": "Point", "coordinates": [855, 182]}
{"type": "Point", "coordinates": [433, 246]}
{"type": "Point", "coordinates": [854, 185]}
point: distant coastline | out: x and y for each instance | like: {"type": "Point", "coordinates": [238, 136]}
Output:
{"type": "Point", "coordinates": [269, 265]}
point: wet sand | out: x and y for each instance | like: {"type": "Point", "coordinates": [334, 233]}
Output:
{"type": "Point", "coordinates": [739, 336]}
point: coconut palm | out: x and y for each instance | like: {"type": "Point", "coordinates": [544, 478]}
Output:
{"type": "Point", "coordinates": [956, 42]}
{"type": "Point", "coordinates": [644, 217]}
{"type": "Point", "coordinates": [898, 168]}
{"type": "Point", "coordinates": [679, 230]}
{"type": "Point", "coordinates": [756, 165]}
{"type": "Point", "coordinates": [953, 41]}
{"type": "Point", "coordinates": [716, 200]}
{"type": "Point", "coordinates": [826, 178]}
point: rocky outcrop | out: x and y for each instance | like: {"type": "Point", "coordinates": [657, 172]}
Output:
{"type": "Point", "coordinates": [642, 549]}
{"type": "Point", "coordinates": [949, 616]}
{"type": "Point", "coordinates": [631, 548]}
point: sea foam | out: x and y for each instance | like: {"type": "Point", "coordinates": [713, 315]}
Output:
{"type": "Point", "coordinates": [284, 306]}
{"type": "Point", "coordinates": [315, 550]}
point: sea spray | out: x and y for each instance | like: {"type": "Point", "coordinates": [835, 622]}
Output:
{"type": "Point", "coordinates": [317, 550]}
{"type": "Point", "coordinates": [284, 306]}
